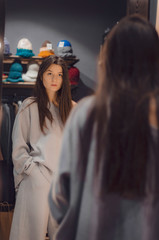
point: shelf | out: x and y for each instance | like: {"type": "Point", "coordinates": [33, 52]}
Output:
{"type": "Point", "coordinates": [8, 60]}
{"type": "Point", "coordinates": [70, 61]}
{"type": "Point", "coordinates": [11, 58]}
{"type": "Point", "coordinates": [18, 85]}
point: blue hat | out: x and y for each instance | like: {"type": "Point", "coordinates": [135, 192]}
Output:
{"type": "Point", "coordinates": [15, 73]}
{"type": "Point", "coordinates": [64, 49]}
{"type": "Point", "coordinates": [6, 47]}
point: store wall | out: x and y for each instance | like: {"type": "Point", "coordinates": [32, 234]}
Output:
{"type": "Point", "coordinates": [80, 22]}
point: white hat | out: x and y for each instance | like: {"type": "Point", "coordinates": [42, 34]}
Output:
{"type": "Point", "coordinates": [32, 72]}
{"type": "Point", "coordinates": [24, 43]}
{"type": "Point", "coordinates": [24, 48]}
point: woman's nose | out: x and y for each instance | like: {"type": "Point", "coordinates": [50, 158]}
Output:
{"type": "Point", "coordinates": [53, 78]}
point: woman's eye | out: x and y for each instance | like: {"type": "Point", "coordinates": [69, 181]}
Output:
{"type": "Point", "coordinates": [49, 73]}
{"type": "Point", "coordinates": [60, 75]}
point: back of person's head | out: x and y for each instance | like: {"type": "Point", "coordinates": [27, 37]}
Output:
{"type": "Point", "coordinates": [130, 55]}
{"type": "Point", "coordinates": [128, 80]}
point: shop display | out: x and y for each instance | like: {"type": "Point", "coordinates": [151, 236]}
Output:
{"type": "Point", "coordinates": [46, 49]}
{"type": "Point", "coordinates": [24, 48]}
{"type": "Point", "coordinates": [73, 74]}
{"type": "Point", "coordinates": [15, 73]}
{"type": "Point", "coordinates": [32, 72]}
{"type": "Point", "coordinates": [6, 47]}
{"type": "Point", "coordinates": [64, 49]}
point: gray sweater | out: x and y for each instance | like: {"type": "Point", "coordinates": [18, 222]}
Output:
{"type": "Point", "coordinates": [80, 213]}
{"type": "Point", "coordinates": [31, 146]}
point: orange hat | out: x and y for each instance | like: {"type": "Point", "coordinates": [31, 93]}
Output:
{"type": "Point", "coordinates": [46, 49]}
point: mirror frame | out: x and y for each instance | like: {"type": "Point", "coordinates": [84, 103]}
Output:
{"type": "Point", "coordinates": [2, 27]}
{"type": "Point", "coordinates": [138, 6]}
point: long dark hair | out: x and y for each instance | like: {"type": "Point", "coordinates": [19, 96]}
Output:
{"type": "Point", "coordinates": [63, 95]}
{"type": "Point", "coordinates": [128, 78]}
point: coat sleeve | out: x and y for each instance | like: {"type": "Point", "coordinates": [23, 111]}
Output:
{"type": "Point", "coordinates": [22, 161]}
{"type": "Point", "coordinates": [65, 191]}
{"type": "Point", "coordinates": [59, 196]}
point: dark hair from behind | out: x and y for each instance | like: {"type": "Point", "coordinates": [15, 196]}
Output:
{"type": "Point", "coordinates": [128, 79]}
{"type": "Point", "coordinates": [63, 95]}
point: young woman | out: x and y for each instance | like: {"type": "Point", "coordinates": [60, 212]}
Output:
{"type": "Point", "coordinates": [107, 185]}
{"type": "Point", "coordinates": [37, 136]}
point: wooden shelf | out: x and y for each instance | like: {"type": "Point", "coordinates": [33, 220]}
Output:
{"type": "Point", "coordinates": [26, 86]}
{"type": "Point", "coordinates": [18, 85]}
{"type": "Point", "coordinates": [10, 59]}
{"type": "Point", "coordinates": [70, 61]}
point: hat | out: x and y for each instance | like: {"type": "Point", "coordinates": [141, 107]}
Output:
{"type": "Point", "coordinates": [6, 47]}
{"type": "Point", "coordinates": [31, 73]}
{"type": "Point", "coordinates": [46, 49]}
{"type": "Point", "coordinates": [73, 74]}
{"type": "Point", "coordinates": [24, 48]}
{"type": "Point", "coordinates": [4, 76]}
{"type": "Point", "coordinates": [15, 73]}
{"type": "Point", "coordinates": [64, 49]}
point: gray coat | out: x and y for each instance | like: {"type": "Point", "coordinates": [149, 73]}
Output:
{"type": "Point", "coordinates": [80, 213]}
{"type": "Point", "coordinates": [31, 146]}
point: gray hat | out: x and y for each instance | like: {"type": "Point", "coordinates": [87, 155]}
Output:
{"type": "Point", "coordinates": [64, 49]}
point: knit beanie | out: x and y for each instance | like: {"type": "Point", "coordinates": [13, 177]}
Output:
{"type": "Point", "coordinates": [73, 74]}
{"type": "Point", "coordinates": [24, 48]}
{"type": "Point", "coordinates": [32, 72]}
{"type": "Point", "coordinates": [46, 49]}
{"type": "Point", "coordinates": [15, 73]}
{"type": "Point", "coordinates": [6, 47]}
{"type": "Point", "coordinates": [64, 49]}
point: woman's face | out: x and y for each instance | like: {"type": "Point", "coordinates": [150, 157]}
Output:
{"type": "Point", "coordinates": [53, 78]}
